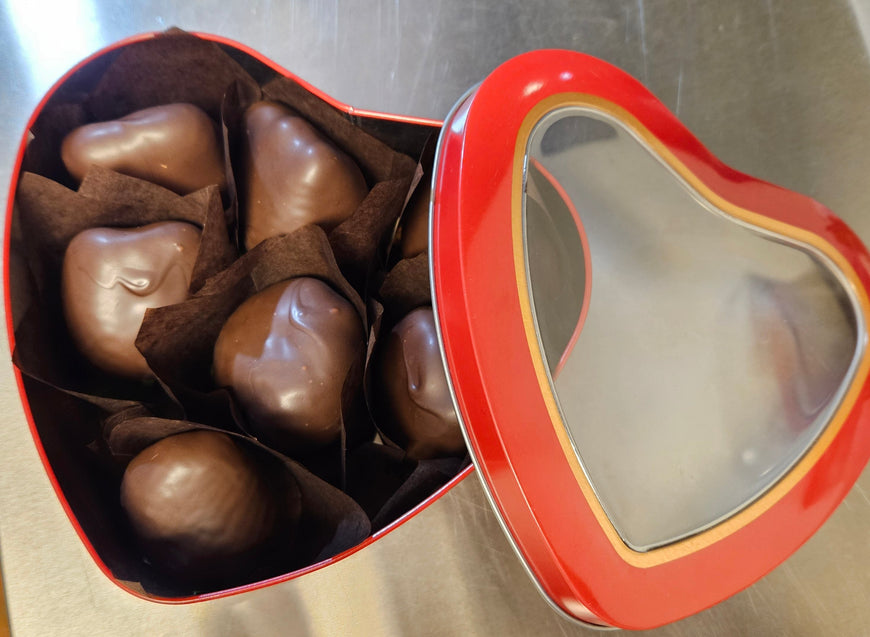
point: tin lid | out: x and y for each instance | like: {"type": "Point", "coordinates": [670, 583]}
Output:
{"type": "Point", "coordinates": [660, 364]}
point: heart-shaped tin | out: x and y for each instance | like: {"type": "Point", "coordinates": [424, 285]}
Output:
{"type": "Point", "coordinates": [660, 364]}
{"type": "Point", "coordinates": [708, 414]}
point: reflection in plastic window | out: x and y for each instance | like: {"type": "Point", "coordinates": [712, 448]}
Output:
{"type": "Point", "coordinates": [694, 360]}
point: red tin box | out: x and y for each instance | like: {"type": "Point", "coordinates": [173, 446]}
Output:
{"type": "Point", "coordinates": [660, 364]}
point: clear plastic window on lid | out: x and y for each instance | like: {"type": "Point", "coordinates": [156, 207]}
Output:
{"type": "Point", "coordinates": [693, 357]}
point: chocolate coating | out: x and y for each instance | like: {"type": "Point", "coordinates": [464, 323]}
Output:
{"type": "Point", "coordinates": [414, 238]}
{"type": "Point", "coordinates": [285, 353]}
{"type": "Point", "coordinates": [175, 146]}
{"type": "Point", "coordinates": [111, 276]}
{"type": "Point", "coordinates": [412, 390]}
{"type": "Point", "coordinates": [293, 175]}
{"type": "Point", "coordinates": [198, 503]}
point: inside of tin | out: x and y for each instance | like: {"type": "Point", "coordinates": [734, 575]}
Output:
{"type": "Point", "coordinates": [694, 358]}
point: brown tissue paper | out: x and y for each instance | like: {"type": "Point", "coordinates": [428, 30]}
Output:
{"type": "Point", "coordinates": [50, 215]}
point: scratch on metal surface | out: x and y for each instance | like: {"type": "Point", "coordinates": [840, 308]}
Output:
{"type": "Point", "coordinates": [771, 23]}
{"type": "Point", "coordinates": [476, 500]}
{"type": "Point", "coordinates": [642, 23]}
{"type": "Point", "coordinates": [773, 33]}
{"type": "Point", "coordinates": [679, 89]}
{"type": "Point", "coordinates": [335, 35]}
{"type": "Point", "coordinates": [562, 628]}
{"type": "Point", "coordinates": [863, 493]}
{"type": "Point", "coordinates": [380, 21]}
{"type": "Point", "coordinates": [861, 11]}
{"type": "Point", "coordinates": [425, 41]}
{"type": "Point", "coordinates": [750, 595]}
{"type": "Point", "coordinates": [818, 608]}
{"type": "Point", "coordinates": [626, 22]}
{"type": "Point", "coordinates": [397, 30]}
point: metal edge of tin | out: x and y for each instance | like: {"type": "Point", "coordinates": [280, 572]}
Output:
{"type": "Point", "coordinates": [489, 496]}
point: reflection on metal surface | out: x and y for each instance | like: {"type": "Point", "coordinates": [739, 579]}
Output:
{"type": "Point", "coordinates": [712, 356]}
{"type": "Point", "coordinates": [52, 35]}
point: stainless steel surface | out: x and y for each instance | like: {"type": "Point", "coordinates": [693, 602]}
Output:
{"type": "Point", "coordinates": [777, 89]}
{"type": "Point", "coordinates": [713, 353]}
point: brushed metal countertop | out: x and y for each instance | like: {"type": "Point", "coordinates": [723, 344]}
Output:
{"type": "Point", "coordinates": [776, 89]}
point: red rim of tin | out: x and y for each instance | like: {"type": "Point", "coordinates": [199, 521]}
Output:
{"type": "Point", "coordinates": [517, 445]}
{"type": "Point", "coordinates": [16, 171]}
